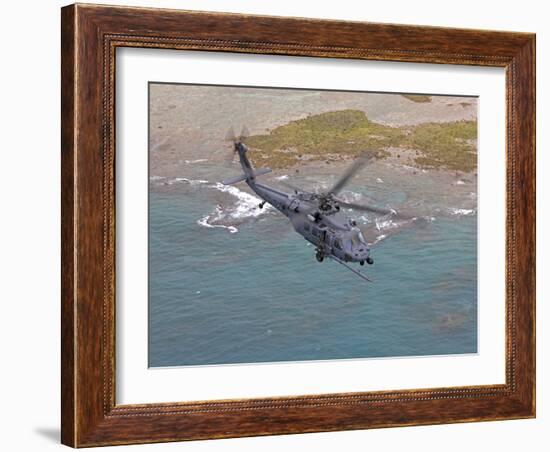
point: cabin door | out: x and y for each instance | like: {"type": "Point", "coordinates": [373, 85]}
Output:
{"type": "Point", "coordinates": [328, 238]}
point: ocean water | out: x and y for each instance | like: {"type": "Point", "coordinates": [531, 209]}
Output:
{"type": "Point", "coordinates": [230, 283]}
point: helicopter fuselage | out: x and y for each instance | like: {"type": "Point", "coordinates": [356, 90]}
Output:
{"type": "Point", "coordinates": [332, 233]}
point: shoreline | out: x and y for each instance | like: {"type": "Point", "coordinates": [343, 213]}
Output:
{"type": "Point", "coordinates": [319, 169]}
{"type": "Point", "coordinates": [189, 123]}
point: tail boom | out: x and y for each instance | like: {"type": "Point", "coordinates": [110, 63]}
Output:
{"type": "Point", "coordinates": [250, 173]}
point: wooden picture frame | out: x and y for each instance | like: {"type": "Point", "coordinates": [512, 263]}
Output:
{"type": "Point", "coordinates": [90, 36]}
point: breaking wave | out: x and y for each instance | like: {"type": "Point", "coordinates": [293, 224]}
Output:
{"type": "Point", "coordinates": [456, 211]}
{"type": "Point", "coordinates": [383, 227]}
{"type": "Point", "coordinates": [190, 181]}
{"type": "Point", "coordinates": [246, 206]}
{"type": "Point", "coordinates": [204, 221]}
{"type": "Point", "coordinates": [161, 180]}
{"type": "Point", "coordinates": [378, 239]}
{"type": "Point", "coordinates": [386, 224]}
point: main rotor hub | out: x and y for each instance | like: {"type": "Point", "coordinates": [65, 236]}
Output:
{"type": "Point", "coordinates": [327, 204]}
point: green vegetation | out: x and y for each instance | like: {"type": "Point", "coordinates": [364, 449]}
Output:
{"type": "Point", "coordinates": [449, 145]}
{"type": "Point", "coordinates": [327, 136]}
{"type": "Point", "coordinates": [420, 98]}
{"type": "Point", "coordinates": [336, 135]}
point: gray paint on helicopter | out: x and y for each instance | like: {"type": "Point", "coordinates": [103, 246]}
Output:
{"type": "Point", "coordinates": [315, 216]}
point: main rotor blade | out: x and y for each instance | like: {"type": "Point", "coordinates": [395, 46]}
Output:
{"type": "Point", "coordinates": [230, 155]}
{"type": "Point", "coordinates": [366, 208]}
{"type": "Point", "coordinates": [229, 158]}
{"type": "Point", "coordinates": [349, 173]}
{"type": "Point", "coordinates": [230, 135]}
{"type": "Point", "coordinates": [244, 133]}
{"type": "Point", "coordinates": [292, 187]}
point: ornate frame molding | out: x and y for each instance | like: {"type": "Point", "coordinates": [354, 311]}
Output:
{"type": "Point", "coordinates": [90, 37]}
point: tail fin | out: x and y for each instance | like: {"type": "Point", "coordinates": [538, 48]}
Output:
{"type": "Point", "coordinates": [249, 172]}
{"type": "Point", "coordinates": [253, 174]}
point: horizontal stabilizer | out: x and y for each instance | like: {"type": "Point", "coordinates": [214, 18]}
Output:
{"type": "Point", "coordinates": [262, 171]}
{"type": "Point", "coordinates": [234, 180]}
{"type": "Point", "coordinates": [242, 177]}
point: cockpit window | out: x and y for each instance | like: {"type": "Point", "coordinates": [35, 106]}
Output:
{"type": "Point", "coordinates": [357, 237]}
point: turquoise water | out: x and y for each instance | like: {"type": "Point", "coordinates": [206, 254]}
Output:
{"type": "Point", "coordinates": [231, 284]}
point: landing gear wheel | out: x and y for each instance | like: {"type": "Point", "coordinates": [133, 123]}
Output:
{"type": "Point", "coordinates": [361, 262]}
{"type": "Point", "coordinates": [370, 261]}
{"type": "Point", "coordinates": [319, 256]}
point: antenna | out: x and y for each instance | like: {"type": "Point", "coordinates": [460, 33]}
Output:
{"type": "Point", "coordinates": [357, 272]}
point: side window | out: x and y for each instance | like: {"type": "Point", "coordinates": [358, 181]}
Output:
{"type": "Point", "coordinates": [338, 244]}
{"type": "Point", "coordinates": [315, 232]}
{"type": "Point", "coordinates": [306, 226]}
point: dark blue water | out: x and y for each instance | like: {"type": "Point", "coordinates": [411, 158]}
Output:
{"type": "Point", "coordinates": [218, 296]}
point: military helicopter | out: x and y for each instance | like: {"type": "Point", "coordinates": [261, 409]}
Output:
{"type": "Point", "coordinates": [315, 216]}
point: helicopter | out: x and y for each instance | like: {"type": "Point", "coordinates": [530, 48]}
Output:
{"type": "Point", "coordinates": [317, 217]}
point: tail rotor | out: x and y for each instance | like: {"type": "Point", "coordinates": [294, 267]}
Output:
{"type": "Point", "coordinates": [234, 140]}
{"type": "Point", "coordinates": [249, 173]}
{"type": "Point", "coordinates": [244, 134]}
{"type": "Point", "coordinates": [230, 135]}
